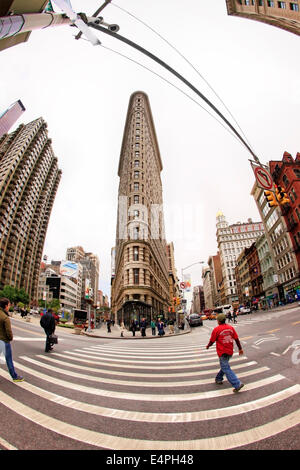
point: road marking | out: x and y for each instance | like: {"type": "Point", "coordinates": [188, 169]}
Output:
{"type": "Point", "coordinates": [246, 337]}
{"type": "Point", "coordinates": [22, 338]}
{"type": "Point", "coordinates": [159, 384]}
{"type": "Point", "coordinates": [272, 331]}
{"type": "Point", "coordinates": [150, 417]}
{"type": "Point", "coordinates": [6, 444]}
{"type": "Point", "coordinates": [275, 354]}
{"type": "Point", "coordinates": [296, 323]}
{"type": "Point", "coordinates": [119, 362]}
{"type": "Point", "coordinates": [108, 441]}
{"type": "Point", "coordinates": [148, 396]}
{"type": "Point", "coordinates": [268, 338]}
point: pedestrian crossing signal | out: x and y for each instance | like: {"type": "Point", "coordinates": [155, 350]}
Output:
{"type": "Point", "coordinates": [271, 198]}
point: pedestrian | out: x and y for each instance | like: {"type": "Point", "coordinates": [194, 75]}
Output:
{"type": "Point", "coordinates": [108, 324]}
{"type": "Point", "coordinates": [143, 326]}
{"type": "Point", "coordinates": [224, 335]}
{"type": "Point", "coordinates": [6, 336]}
{"type": "Point", "coordinates": [48, 323]}
{"type": "Point", "coordinates": [122, 329]}
{"type": "Point", "coordinates": [153, 327]}
{"type": "Point", "coordinates": [160, 327]}
{"type": "Point", "coordinates": [229, 317]}
{"type": "Point", "coordinates": [234, 316]}
{"type": "Point", "coordinates": [171, 326]}
{"type": "Point", "coordinates": [133, 327]}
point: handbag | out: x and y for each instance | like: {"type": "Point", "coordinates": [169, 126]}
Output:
{"type": "Point", "coordinates": [53, 339]}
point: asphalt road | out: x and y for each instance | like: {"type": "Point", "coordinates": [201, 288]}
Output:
{"type": "Point", "coordinates": [158, 395]}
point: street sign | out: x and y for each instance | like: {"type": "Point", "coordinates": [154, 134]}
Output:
{"type": "Point", "coordinates": [182, 285]}
{"type": "Point", "coordinates": [263, 178]}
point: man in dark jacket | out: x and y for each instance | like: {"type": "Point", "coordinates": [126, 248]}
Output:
{"type": "Point", "coordinates": [6, 337]}
{"type": "Point", "coordinates": [48, 323]}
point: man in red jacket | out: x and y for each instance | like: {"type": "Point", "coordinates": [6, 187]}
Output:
{"type": "Point", "coordinates": [224, 335]}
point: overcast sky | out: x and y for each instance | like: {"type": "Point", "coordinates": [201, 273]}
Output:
{"type": "Point", "coordinates": [82, 91]}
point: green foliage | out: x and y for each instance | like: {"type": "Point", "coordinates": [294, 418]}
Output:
{"type": "Point", "coordinates": [15, 295]}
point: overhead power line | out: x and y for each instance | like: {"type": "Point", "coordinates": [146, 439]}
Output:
{"type": "Point", "coordinates": [185, 59]}
{"type": "Point", "coordinates": [179, 76]}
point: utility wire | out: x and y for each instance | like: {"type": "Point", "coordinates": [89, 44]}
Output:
{"type": "Point", "coordinates": [172, 84]}
{"type": "Point", "coordinates": [174, 72]}
{"type": "Point", "coordinates": [186, 60]}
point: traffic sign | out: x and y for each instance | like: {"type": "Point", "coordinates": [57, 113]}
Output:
{"type": "Point", "coordinates": [182, 285]}
{"type": "Point", "coordinates": [263, 178]}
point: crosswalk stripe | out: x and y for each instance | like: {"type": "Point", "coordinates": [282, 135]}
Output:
{"type": "Point", "coordinates": [95, 360]}
{"type": "Point", "coordinates": [159, 384]}
{"type": "Point", "coordinates": [178, 362]}
{"type": "Point", "coordinates": [145, 355]}
{"type": "Point", "coordinates": [6, 444]}
{"type": "Point", "coordinates": [190, 416]}
{"type": "Point", "coordinates": [122, 443]}
{"type": "Point", "coordinates": [144, 375]}
{"type": "Point", "coordinates": [145, 396]}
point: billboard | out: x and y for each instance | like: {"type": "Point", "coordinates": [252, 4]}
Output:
{"type": "Point", "coordinates": [188, 282]}
{"type": "Point", "coordinates": [68, 268]}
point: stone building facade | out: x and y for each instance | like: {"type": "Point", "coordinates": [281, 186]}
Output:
{"type": "Point", "coordinates": [282, 14]}
{"type": "Point", "coordinates": [140, 285]}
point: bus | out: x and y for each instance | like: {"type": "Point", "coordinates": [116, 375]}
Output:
{"type": "Point", "coordinates": [223, 309]}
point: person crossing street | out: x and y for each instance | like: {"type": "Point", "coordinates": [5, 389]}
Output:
{"type": "Point", "coordinates": [224, 335]}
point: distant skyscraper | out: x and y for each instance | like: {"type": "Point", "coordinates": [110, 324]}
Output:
{"type": "Point", "coordinates": [10, 116]}
{"type": "Point", "coordinates": [284, 15]}
{"type": "Point", "coordinates": [29, 177]}
{"type": "Point", "coordinates": [140, 287]}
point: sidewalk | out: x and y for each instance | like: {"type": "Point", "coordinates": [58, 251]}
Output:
{"type": "Point", "coordinates": [102, 331]}
{"type": "Point", "coordinates": [116, 333]}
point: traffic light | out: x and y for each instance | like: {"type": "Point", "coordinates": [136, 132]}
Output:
{"type": "Point", "coordinates": [281, 195]}
{"type": "Point", "coordinates": [271, 198]}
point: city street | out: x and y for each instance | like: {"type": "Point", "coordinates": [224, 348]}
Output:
{"type": "Point", "coordinates": [123, 394]}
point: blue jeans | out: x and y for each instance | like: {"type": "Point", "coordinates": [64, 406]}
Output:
{"type": "Point", "coordinates": [225, 369]}
{"type": "Point", "coordinates": [6, 348]}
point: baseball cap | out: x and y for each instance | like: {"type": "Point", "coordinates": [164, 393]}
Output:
{"type": "Point", "coordinates": [221, 317]}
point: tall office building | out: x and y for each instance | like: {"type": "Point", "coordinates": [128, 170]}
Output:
{"type": "Point", "coordinates": [90, 271]}
{"type": "Point", "coordinates": [232, 239]}
{"type": "Point", "coordinates": [140, 286]}
{"type": "Point", "coordinates": [10, 116]}
{"type": "Point", "coordinates": [29, 177]}
{"type": "Point", "coordinates": [284, 15]}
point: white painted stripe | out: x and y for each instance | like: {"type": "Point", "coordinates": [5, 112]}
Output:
{"type": "Point", "coordinates": [6, 444]}
{"type": "Point", "coordinates": [22, 338]}
{"type": "Point", "coordinates": [160, 384]}
{"type": "Point", "coordinates": [107, 441]}
{"type": "Point", "coordinates": [144, 365]}
{"type": "Point", "coordinates": [143, 375]}
{"type": "Point", "coordinates": [148, 417]}
{"type": "Point", "coordinates": [139, 355]}
{"type": "Point", "coordinates": [145, 396]}
{"type": "Point", "coordinates": [157, 355]}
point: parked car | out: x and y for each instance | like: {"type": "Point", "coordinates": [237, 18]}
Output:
{"type": "Point", "coordinates": [244, 310]}
{"type": "Point", "coordinates": [195, 320]}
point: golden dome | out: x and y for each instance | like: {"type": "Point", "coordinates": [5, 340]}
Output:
{"type": "Point", "coordinates": [219, 213]}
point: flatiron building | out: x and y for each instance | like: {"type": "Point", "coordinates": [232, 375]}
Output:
{"type": "Point", "coordinates": [140, 285]}
{"type": "Point", "coordinates": [29, 177]}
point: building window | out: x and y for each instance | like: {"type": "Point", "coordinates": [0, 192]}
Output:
{"type": "Point", "coordinates": [136, 186]}
{"type": "Point", "coordinates": [271, 3]}
{"type": "Point", "coordinates": [136, 276]}
{"type": "Point", "coordinates": [136, 174]}
{"type": "Point", "coordinates": [285, 180]}
{"type": "Point", "coordinates": [136, 214]}
{"type": "Point", "coordinates": [282, 5]}
{"type": "Point", "coordinates": [135, 253]}
{"type": "Point", "coordinates": [136, 163]}
{"type": "Point", "coordinates": [294, 6]}
{"type": "Point", "coordinates": [136, 199]}
{"type": "Point", "coordinates": [297, 173]}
